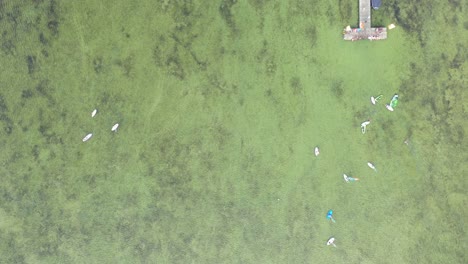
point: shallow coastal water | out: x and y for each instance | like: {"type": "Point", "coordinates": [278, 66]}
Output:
{"type": "Point", "coordinates": [220, 105]}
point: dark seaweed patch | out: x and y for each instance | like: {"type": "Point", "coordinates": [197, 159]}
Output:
{"type": "Point", "coordinates": [174, 67]}
{"type": "Point", "coordinates": [7, 122]}
{"type": "Point", "coordinates": [454, 20]}
{"type": "Point", "coordinates": [8, 47]}
{"type": "Point", "coordinates": [411, 15]}
{"type": "Point", "coordinates": [270, 65]}
{"type": "Point", "coordinates": [35, 152]}
{"type": "Point", "coordinates": [44, 89]}
{"type": "Point", "coordinates": [226, 13]}
{"type": "Point", "coordinates": [8, 128]}
{"type": "Point", "coordinates": [311, 35]}
{"type": "Point", "coordinates": [127, 65]}
{"type": "Point", "coordinates": [53, 27]}
{"type": "Point", "coordinates": [50, 137]}
{"type": "Point", "coordinates": [337, 89]}
{"type": "Point", "coordinates": [104, 98]}
{"type": "Point", "coordinates": [263, 55]}
{"type": "Point", "coordinates": [388, 126]}
{"type": "Point", "coordinates": [3, 106]}
{"type": "Point", "coordinates": [345, 9]}
{"type": "Point", "coordinates": [459, 58]}
{"type": "Point", "coordinates": [330, 15]}
{"type": "Point", "coordinates": [43, 39]}
{"type": "Point", "coordinates": [459, 134]}
{"type": "Point", "coordinates": [97, 64]}
{"type": "Point", "coordinates": [360, 115]}
{"type": "Point", "coordinates": [241, 101]}
{"type": "Point", "coordinates": [166, 55]}
{"type": "Point", "coordinates": [454, 3]}
{"type": "Point", "coordinates": [296, 85]}
{"type": "Point", "coordinates": [203, 65]}
{"type": "Point", "coordinates": [43, 130]}
{"type": "Point", "coordinates": [53, 24]}
{"type": "Point", "coordinates": [187, 46]}
{"type": "Point", "coordinates": [258, 4]}
{"type": "Point", "coordinates": [14, 17]}
{"type": "Point", "coordinates": [443, 56]}
{"type": "Point", "coordinates": [143, 249]}
{"type": "Point", "coordinates": [263, 52]}
{"type": "Point", "coordinates": [31, 61]}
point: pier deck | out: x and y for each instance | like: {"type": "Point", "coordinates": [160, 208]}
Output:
{"type": "Point", "coordinates": [364, 31]}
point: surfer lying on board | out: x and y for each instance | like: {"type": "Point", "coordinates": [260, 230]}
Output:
{"type": "Point", "coordinates": [374, 100]}
{"type": "Point", "coordinates": [364, 125]}
{"type": "Point", "coordinates": [349, 179]}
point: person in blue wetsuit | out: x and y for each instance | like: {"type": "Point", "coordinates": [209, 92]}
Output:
{"type": "Point", "coordinates": [330, 216]}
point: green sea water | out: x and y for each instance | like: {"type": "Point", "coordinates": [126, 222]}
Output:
{"type": "Point", "coordinates": [220, 105]}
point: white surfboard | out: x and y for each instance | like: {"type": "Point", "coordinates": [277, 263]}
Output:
{"type": "Point", "coordinates": [316, 151]}
{"type": "Point", "coordinates": [371, 166]}
{"type": "Point", "coordinates": [94, 113]}
{"type": "Point", "coordinates": [364, 125]}
{"type": "Point", "coordinates": [114, 128]}
{"type": "Point", "coordinates": [389, 107]}
{"type": "Point", "coordinates": [345, 177]}
{"type": "Point", "coordinates": [372, 99]}
{"type": "Point", "coordinates": [87, 137]}
{"type": "Point", "coordinates": [331, 241]}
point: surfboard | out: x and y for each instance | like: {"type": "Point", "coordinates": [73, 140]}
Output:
{"type": "Point", "coordinates": [87, 137]}
{"type": "Point", "coordinates": [389, 107]}
{"type": "Point", "coordinates": [316, 151]}
{"type": "Point", "coordinates": [114, 128]}
{"type": "Point", "coordinates": [345, 177]}
{"type": "Point", "coordinates": [94, 113]}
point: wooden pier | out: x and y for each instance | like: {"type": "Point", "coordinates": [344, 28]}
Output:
{"type": "Point", "coordinates": [364, 31]}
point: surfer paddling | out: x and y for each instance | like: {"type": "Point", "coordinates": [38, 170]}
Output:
{"type": "Point", "coordinates": [331, 241]}
{"type": "Point", "coordinates": [364, 125]}
{"type": "Point", "coordinates": [349, 179]}
{"type": "Point", "coordinates": [374, 100]}
{"type": "Point", "coordinates": [316, 151]}
{"type": "Point", "coordinates": [393, 103]}
{"type": "Point", "coordinates": [330, 216]}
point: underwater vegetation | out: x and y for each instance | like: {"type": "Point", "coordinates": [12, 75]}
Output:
{"type": "Point", "coordinates": [220, 104]}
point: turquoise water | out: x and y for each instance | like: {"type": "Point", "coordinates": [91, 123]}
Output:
{"type": "Point", "coordinates": [220, 106]}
